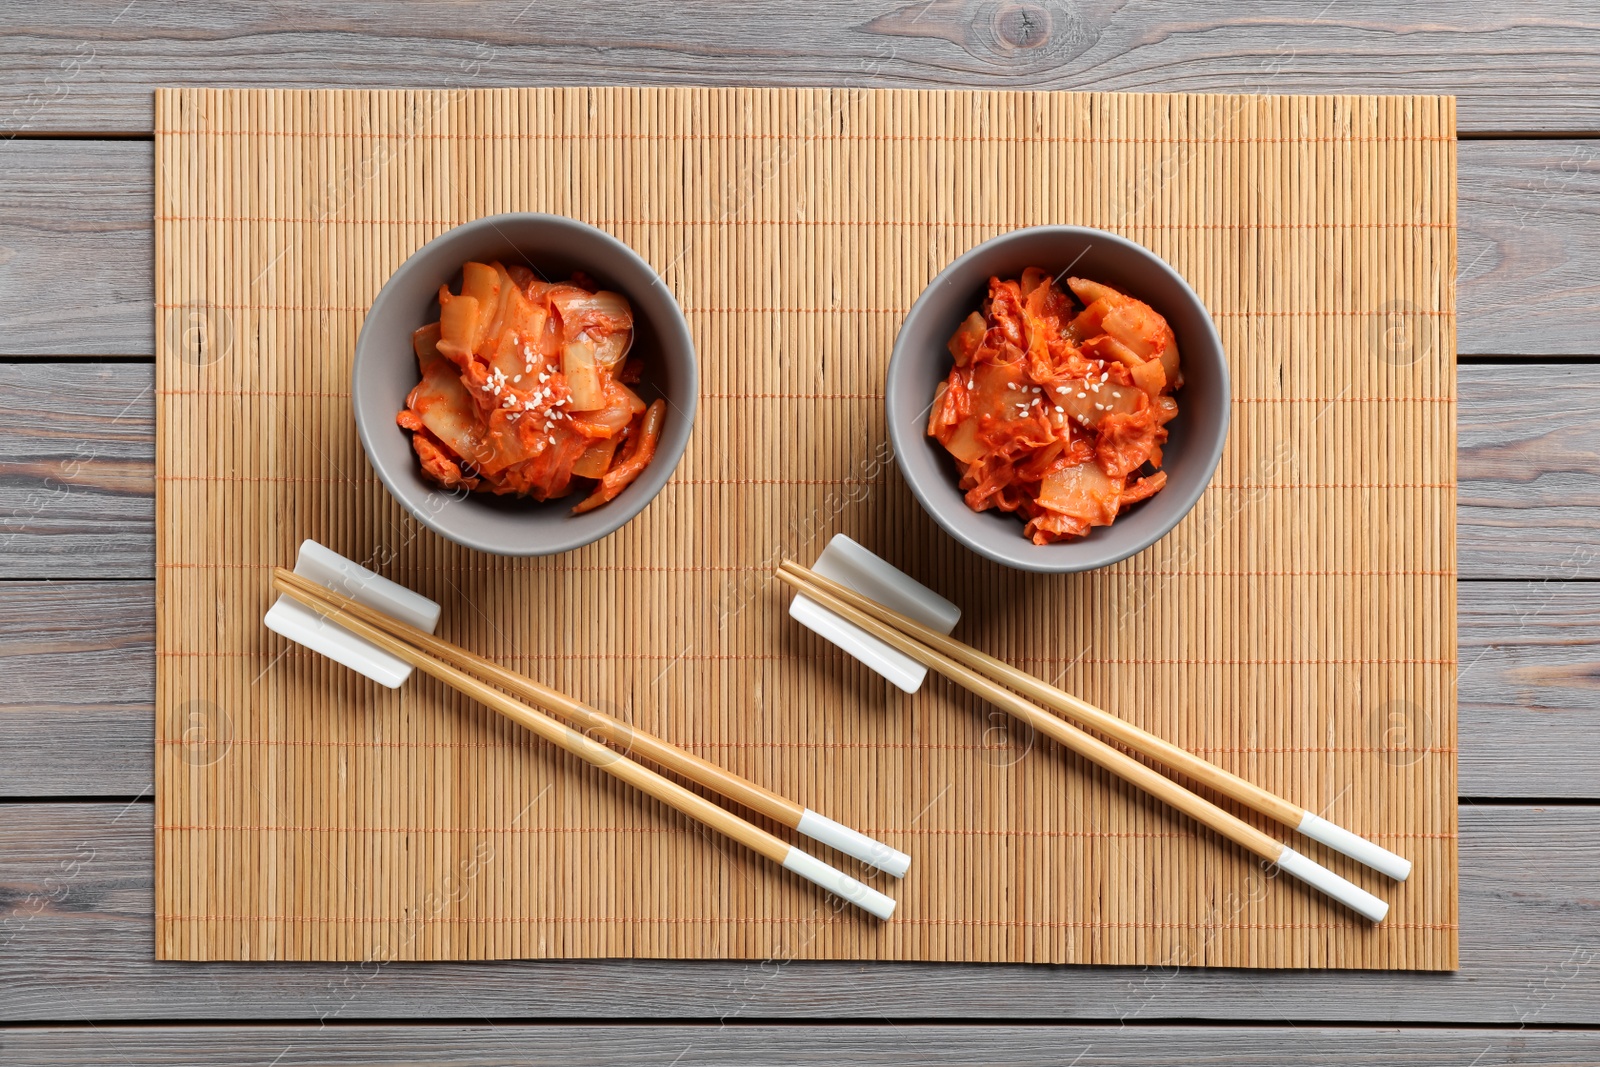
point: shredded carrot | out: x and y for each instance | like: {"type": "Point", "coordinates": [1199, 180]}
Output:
{"type": "Point", "coordinates": [1057, 411]}
{"type": "Point", "coordinates": [525, 388]}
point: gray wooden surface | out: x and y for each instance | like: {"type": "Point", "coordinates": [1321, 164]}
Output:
{"type": "Point", "coordinates": [769, 1046]}
{"type": "Point", "coordinates": [76, 596]}
{"type": "Point", "coordinates": [88, 66]}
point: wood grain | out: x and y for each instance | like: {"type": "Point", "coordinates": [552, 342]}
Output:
{"type": "Point", "coordinates": [1529, 230]}
{"type": "Point", "coordinates": [76, 471]}
{"type": "Point", "coordinates": [90, 66]}
{"type": "Point", "coordinates": [76, 707]}
{"type": "Point", "coordinates": [1529, 686]}
{"type": "Point", "coordinates": [76, 885]}
{"type": "Point", "coordinates": [75, 248]}
{"type": "Point", "coordinates": [1529, 233]}
{"type": "Point", "coordinates": [1529, 463]}
{"type": "Point", "coordinates": [761, 1046]}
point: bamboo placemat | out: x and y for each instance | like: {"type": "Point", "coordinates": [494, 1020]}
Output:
{"type": "Point", "coordinates": [1298, 627]}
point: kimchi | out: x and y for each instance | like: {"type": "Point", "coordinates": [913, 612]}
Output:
{"type": "Point", "coordinates": [1056, 409]}
{"type": "Point", "coordinates": [525, 389]}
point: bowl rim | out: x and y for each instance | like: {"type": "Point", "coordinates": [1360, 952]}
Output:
{"type": "Point", "coordinates": [900, 362]}
{"type": "Point", "coordinates": [615, 520]}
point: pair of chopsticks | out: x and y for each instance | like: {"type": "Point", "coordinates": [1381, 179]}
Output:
{"type": "Point", "coordinates": [472, 675]}
{"type": "Point", "coordinates": [1000, 684]}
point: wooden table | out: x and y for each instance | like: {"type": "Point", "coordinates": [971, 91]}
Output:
{"type": "Point", "coordinates": [76, 610]}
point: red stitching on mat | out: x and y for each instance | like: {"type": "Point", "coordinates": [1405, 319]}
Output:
{"type": "Point", "coordinates": [345, 395]}
{"type": "Point", "coordinates": [321, 480]}
{"type": "Point", "coordinates": [1020, 924]}
{"type": "Point", "coordinates": [836, 396]}
{"type": "Point", "coordinates": [1344, 400]}
{"type": "Point", "coordinates": [531, 743]}
{"type": "Point", "coordinates": [719, 568]}
{"type": "Point", "coordinates": [345, 480]}
{"type": "Point", "coordinates": [710, 135]}
{"type": "Point", "coordinates": [309, 220]}
{"type": "Point", "coordinates": [1337, 485]}
{"type": "Point", "coordinates": [338, 480]}
{"type": "Point", "coordinates": [492, 568]}
{"type": "Point", "coordinates": [253, 392]}
{"type": "Point", "coordinates": [1306, 313]}
{"type": "Point", "coordinates": [686, 832]}
{"type": "Point", "coordinates": [791, 396]}
{"type": "Point", "coordinates": [1288, 574]}
{"type": "Point", "coordinates": [646, 657]}
{"type": "Point", "coordinates": [1202, 661]}
{"type": "Point", "coordinates": [844, 396]}
{"type": "Point", "coordinates": [209, 306]}
{"type": "Point", "coordinates": [775, 481]}
{"type": "Point", "coordinates": [802, 311]}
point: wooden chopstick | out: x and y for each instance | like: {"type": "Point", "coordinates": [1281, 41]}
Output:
{"type": "Point", "coordinates": [1154, 748]}
{"type": "Point", "coordinates": [719, 780]}
{"type": "Point", "coordinates": [1099, 752]}
{"type": "Point", "coordinates": [326, 603]}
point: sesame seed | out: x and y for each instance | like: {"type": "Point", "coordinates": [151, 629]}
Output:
{"type": "Point", "coordinates": [1083, 396]}
{"type": "Point", "coordinates": [552, 439]}
{"type": "Point", "coordinates": [1060, 410]}
{"type": "Point", "coordinates": [1011, 385]}
{"type": "Point", "coordinates": [518, 378]}
{"type": "Point", "coordinates": [1099, 407]}
{"type": "Point", "coordinates": [1116, 394]}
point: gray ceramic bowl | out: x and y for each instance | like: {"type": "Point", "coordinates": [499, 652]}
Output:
{"type": "Point", "coordinates": [921, 361]}
{"type": "Point", "coordinates": [386, 370]}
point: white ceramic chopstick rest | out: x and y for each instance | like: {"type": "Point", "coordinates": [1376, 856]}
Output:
{"type": "Point", "coordinates": [300, 624]}
{"type": "Point", "coordinates": [1345, 892]}
{"type": "Point", "coordinates": [1355, 846]}
{"type": "Point", "coordinates": [849, 563]}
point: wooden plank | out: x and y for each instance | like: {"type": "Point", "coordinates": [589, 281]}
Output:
{"type": "Point", "coordinates": [76, 471]}
{"type": "Point", "coordinates": [77, 705]}
{"type": "Point", "coordinates": [76, 247]}
{"type": "Point", "coordinates": [76, 710]}
{"type": "Point", "coordinates": [75, 880]}
{"type": "Point", "coordinates": [80, 211]}
{"type": "Point", "coordinates": [1528, 233]}
{"type": "Point", "coordinates": [756, 1046]}
{"type": "Point", "coordinates": [90, 66]}
{"type": "Point", "coordinates": [1528, 471]}
{"type": "Point", "coordinates": [1528, 689]}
